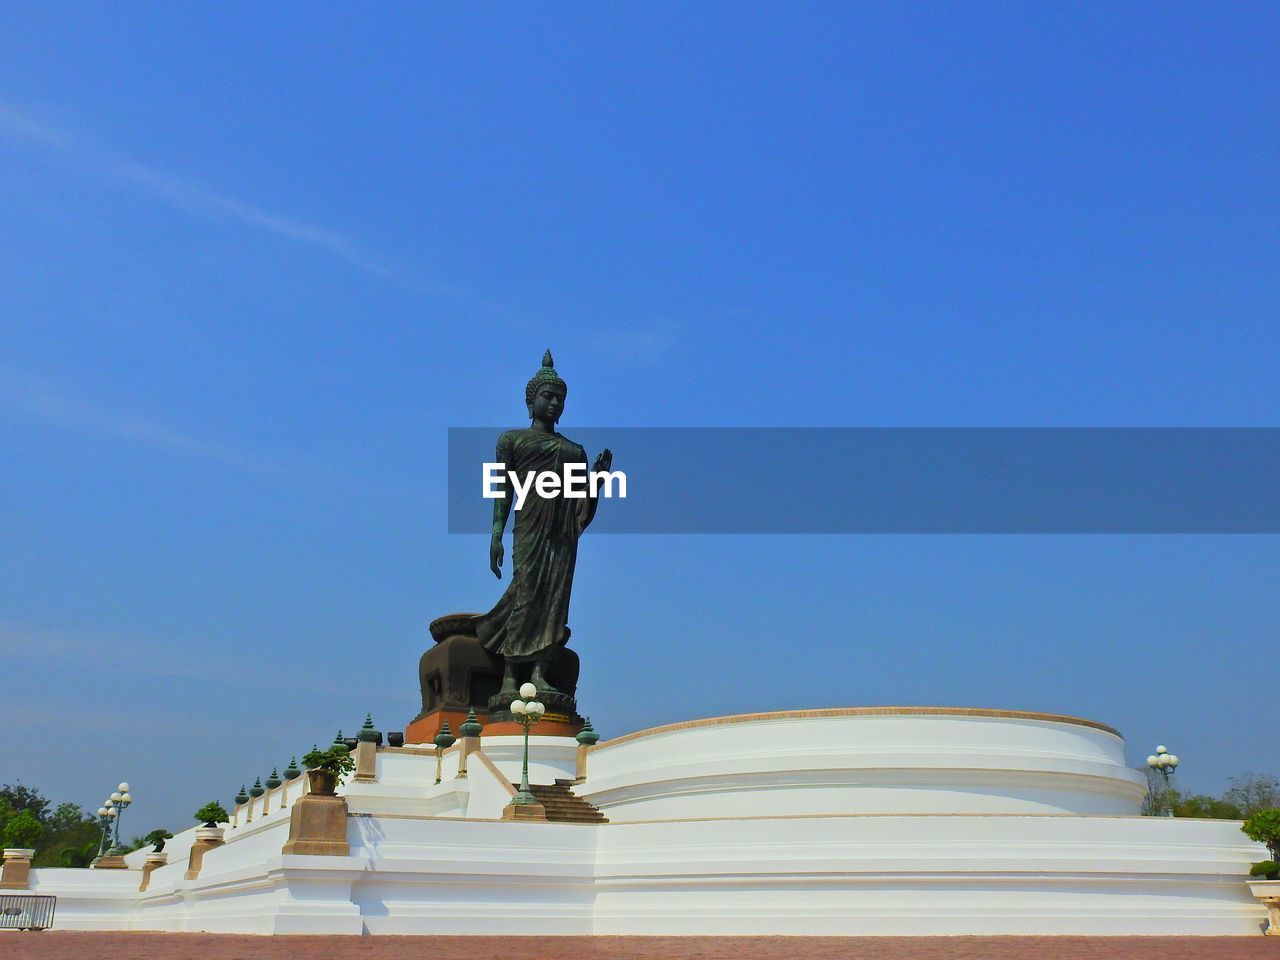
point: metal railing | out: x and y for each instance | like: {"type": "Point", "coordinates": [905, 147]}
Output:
{"type": "Point", "coordinates": [26, 911]}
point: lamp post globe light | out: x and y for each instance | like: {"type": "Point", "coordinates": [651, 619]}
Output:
{"type": "Point", "coordinates": [1164, 763]}
{"type": "Point", "coordinates": [107, 814]}
{"type": "Point", "coordinates": [529, 711]}
{"type": "Point", "coordinates": [121, 798]}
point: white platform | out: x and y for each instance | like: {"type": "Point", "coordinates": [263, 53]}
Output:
{"type": "Point", "coordinates": [872, 760]}
{"type": "Point", "coordinates": [839, 822]}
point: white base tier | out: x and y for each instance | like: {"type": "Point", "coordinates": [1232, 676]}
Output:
{"type": "Point", "coordinates": [855, 823]}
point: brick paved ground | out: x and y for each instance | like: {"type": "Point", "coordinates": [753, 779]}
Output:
{"type": "Point", "coordinates": [53, 945]}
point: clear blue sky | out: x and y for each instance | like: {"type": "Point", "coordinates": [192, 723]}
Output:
{"type": "Point", "coordinates": [255, 261]}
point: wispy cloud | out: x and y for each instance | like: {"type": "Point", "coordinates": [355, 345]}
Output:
{"type": "Point", "coordinates": [639, 343]}
{"type": "Point", "coordinates": [197, 200]}
{"type": "Point", "coordinates": [181, 193]}
{"type": "Point", "coordinates": [41, 398]}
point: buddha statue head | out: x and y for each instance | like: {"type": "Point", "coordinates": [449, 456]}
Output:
{"type": "Point", "coordinates": [544, 394]}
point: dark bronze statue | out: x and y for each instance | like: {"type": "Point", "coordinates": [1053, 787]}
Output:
{"type": "Point", "coordinates": [529, 625]}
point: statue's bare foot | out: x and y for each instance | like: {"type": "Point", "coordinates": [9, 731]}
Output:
{"type": "Point", "coordinates": [540, 681]}
{"type": "Point", "coordinates": [509, 686]}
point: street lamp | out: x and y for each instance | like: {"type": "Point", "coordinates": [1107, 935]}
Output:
{"type": "Point", "coordinates": [107, 813]}
{"type": "Point", "coordinates": [529, 711]}
{"type": "Point", "coordinates": [121, 799]}
{"type": "Point", "coordinates": [1164, 763]}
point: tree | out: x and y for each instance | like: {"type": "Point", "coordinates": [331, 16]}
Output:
{"type": "Point", "coordinates": [66, 828]}
{"type": "Point", "coordinates": [1247, 794]}
{"type": "Point", "coordinates": [64, 817]}
{"type": "Point", "coordinates": [23, 830]}
{"type": "Point", "coordinates": [68, 833]}
{"type": "Point", "coordinates": [25, 798]}
{"type": "Point", "coordinates": [1202, 805]}
{"type": "Point", "coordinates": [1253, 792]}
{"type": "Point", "coordinates": [78, 856]}
{"type": "Point", "coordinates": [74, 836]}
{"type": "Point", "coordinates": [1264, 826]}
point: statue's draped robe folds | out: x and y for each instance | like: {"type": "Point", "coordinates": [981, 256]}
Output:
{"type": "Point", "coordinates": [530, 622]}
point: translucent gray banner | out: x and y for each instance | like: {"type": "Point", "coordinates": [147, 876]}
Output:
{"type": "Point", "coordinates": [913, 480]}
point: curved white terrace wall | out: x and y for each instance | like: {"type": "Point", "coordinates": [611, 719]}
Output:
{"type": "Point", "coordinates": [842, 822]}
{"type": "Point", "coordinates": [864, 760]}
{"type": "Point", "coordinates": [833, 875]}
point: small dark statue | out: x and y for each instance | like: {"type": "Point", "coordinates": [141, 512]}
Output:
{"type": "Point", "coordinates": [529, 625]}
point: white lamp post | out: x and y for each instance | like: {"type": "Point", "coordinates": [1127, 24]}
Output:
{"type": "Point", "coordinates": [121, 800]}
{"type": "Point", "coordinates": [1164, 763]}
{"type": "Point", "coordinates": [529, 711]}
{"type": "Point", "coordinates": [108, 814]}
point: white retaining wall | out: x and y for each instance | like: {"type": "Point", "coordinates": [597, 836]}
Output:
{"type": "Point", "coordinates": [829, 822]}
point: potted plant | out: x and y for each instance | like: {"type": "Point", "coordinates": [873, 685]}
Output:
{"type": "Point", "coordinates": [1264, 826]}
{"type": "Point", "coordinates": [211, 814]}
{"type": "Point", "coordinates": [326, 767]}
{"type": "Point", "coordinates": [1265, 870]}
{"type": "Point", "coordinates": [157, 838]}
{"type": "Point", "coordinates": [20, 836]}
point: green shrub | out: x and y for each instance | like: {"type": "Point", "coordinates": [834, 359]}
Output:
{"type": "Point", "coordinates": [78, 856]}
{"type": "Point", "coordinates": [158, 836]}
{"type": "Point", "coordinates": [336, 759]}
{"type": "Point", "coordinates": [1264, 826]}
{"type": "Point", "coordinates": [23, 830]}
{"type": "Point", "coordinates": [212, 814]}
{"type": "Point", "coordinates": [1202, 805]}
{"type": "Point", "coordinates": [1266, 869]}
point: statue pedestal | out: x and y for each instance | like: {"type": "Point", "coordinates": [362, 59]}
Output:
{"type": "Point", "coordinates": [458, 674]}
{"type": "Point", "coordinates": [425, 728]}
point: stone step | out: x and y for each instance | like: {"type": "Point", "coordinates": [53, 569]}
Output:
{"type": "Point", "coordinates": [562, 805]}
{"type": "Point", "coordinates": [568, 804]}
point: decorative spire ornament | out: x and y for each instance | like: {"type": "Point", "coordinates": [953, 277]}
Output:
{"type": "Point", "coordinates": [587, 736]}
{"type": "Point", "coordinates": [445, 738]}
{"type": "Point", "coordinates": [471, 726]}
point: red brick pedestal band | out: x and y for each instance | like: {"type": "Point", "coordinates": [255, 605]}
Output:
{"type": "Point", "coordinates": [425, 729]}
